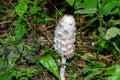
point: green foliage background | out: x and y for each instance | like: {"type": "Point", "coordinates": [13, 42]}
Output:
{"type": "Point", "coordinates": [17, 49]}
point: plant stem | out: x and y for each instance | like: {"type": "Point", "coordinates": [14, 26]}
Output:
{"type": "Point", "coordinates": [62, 69]}
{"type": "Point", "coordinates": [116, 47]}
{"type": "Point", "coordinates": [6, 22]}
{"type": "Point", "coordinates": [117, 50]}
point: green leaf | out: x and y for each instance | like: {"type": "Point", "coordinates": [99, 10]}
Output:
{"type": "Point", "coordinates": [113, 70]}
{"type": "Point", "coordinates": [100, 64]}
{"type": "Point", "coordinates": [70, 2]}
{"type": "Point", "coordinates": [19, 21]}
{"type": "Point", "coordinates": [2, 9]}
{"type": "Point", "coordinates": [5, 77]}
{"type": "Point", "coordinates": [115, 11]}
{"type": "Point", "coordinates": [73, 76]}
{"type": "Point", "coordinates": [23, 78]}
{"type": "Point", "coordinates": [18, 74]}
{"type": "Point", "coordinates": [86, 70]}
{"type": "Point", "coordinates": [35, 9]}
{"type": "Point", "coordinates": [114, 77]}
{"type": "Point", "coordinates": [103, 44]}
{"type": "Point", "coordinates": [29, 54]}
{"type": "Point", "coordinates": [19, 32]}
{"type": "Point", "coordinates": [48, 62]}
{"type": "Point", "coordinates": [46, 50]}
{"type": "Point", "coordinates": [91, 21]}
{"type": "Point", "coordinates": [54, 54]}
{"type": "Point", "coordinates": [42, 15]}
{"type": "Point", "coordinates": [92, 73]}
{"type": "Point", "coordinates": [107, 9]}
{"type": "Point", "coordinates": [114, 22]}
{"type": "Point", "coordinates": [102, 31]}
{"type": "Point", "coordinates": [111, 33]}
{"type": "Point", "coordinates": [21, 9]}
{"type": "Point", "coordinates": [86, 11]}
{"type": "Point", "coordinates": [12, 57]}
{"type": "Point", "coordinates": [3, 41]}
{"type": "Point", "coordinates": [113, 73]}
{"type": "Point", "coordinates": [90, 4]}
{"type": "Point", "coordinates": [1, 63]}
{"type": "Point", "coordinates": [36, 2]}
{"type": "Point", "coordinates": [78, 4]}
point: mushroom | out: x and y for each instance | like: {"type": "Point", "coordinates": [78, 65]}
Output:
{"type": "Point", "coordinates": [64, 40]}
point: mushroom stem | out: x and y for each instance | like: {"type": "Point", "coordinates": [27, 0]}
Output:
{"type": "Point", "coordinates": [62, 69]}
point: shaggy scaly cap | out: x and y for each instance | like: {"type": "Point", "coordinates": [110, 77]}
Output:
{"type": "Point", "coordinates": [65, 37]}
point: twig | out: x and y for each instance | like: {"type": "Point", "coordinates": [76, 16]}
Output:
{"type": "Point", "coordinates": [5, 22]}
{"type": "Point", "coordinates": [55, 7]}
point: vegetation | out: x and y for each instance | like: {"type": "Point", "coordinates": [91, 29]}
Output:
{"type": "Point", "coordinates": [27, 32]}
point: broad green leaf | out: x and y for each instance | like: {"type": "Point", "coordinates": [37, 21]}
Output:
{"type": "Point", "coordinates": [19, 32]}
{"type": "Point", "coordinates": [5, 77]}
{"type": "Point", "coordinates": [70, 2]}
{"type": "Point", "coordinates": [21, 9]}
{"type": "Point", "coordinates": [113, 70]}
{"type": "Point", "coordinates": [107, 9]}
{"type": "Point", "coordinates": [90, 4]}
{"type": "Point", "coordinates": [48, 62]}
{"type": "Point", "coordinates": [114, 77]}
{"type": "Point", "coordinates": [111, 33]}
{"type": "Point", "coordinates": [86, 11]}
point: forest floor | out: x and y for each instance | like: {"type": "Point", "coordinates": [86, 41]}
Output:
{"type": "Point", "coordinates": [43, 32]}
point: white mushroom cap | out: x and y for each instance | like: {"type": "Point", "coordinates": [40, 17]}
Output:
{"type": "Point", "coordinates": [65, 36]}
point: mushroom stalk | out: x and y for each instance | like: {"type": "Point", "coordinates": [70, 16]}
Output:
{"type": "Point", "coordinates": [62, 69]}
{"type": "Point", "coordinates": [64, 40]}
